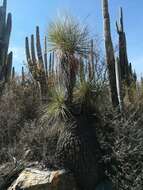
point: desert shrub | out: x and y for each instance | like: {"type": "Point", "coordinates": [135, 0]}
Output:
{"type": "Point", "coordinates": [10, 117]}
{"type": "Point", "coordinates": [18, 105]}
{"type": "Point", "coordinates": [10, 122]}
{"type": "Point", "coordinates": [121, 140]}
{"type": "Point", "coordinates": [39, 141]}
{"type": "Point", "coordinates": [129, 150]}
{"type": "Point", "coordinates": [28, 99]}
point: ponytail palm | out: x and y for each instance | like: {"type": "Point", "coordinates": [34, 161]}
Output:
{"type": "Point", "coordinates": [70, 41]}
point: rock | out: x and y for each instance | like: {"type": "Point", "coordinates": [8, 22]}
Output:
{"type": "Point", "coordinates": [34, 179]}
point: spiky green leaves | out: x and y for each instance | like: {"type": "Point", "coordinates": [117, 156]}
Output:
{"type": "Point", "coordinates": [69, 40]}
{"type": "Point", "coordinates": [66, 36]}
{"type": "Point", "coordinates": [56, 110]}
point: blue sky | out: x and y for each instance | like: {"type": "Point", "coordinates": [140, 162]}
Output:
{"type": "Point", "coordinates": [29, 13]}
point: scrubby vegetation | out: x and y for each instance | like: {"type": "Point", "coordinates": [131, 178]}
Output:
{"type": "Point", "coordinates": [73, 96]}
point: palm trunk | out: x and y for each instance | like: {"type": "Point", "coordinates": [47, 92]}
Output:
{"type": "Point", "coordinates": [68, 66]}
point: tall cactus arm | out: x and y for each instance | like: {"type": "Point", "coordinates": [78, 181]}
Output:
{"type": "Point", "coordinates": [8, 27]}
{"type": "Point", "coordinates": [120, 25]}
{"type": "Point", "coordinates": [5, 31]}
{"type": "Point", "coordinates": [106, 18]}
{"type": "Point", "coordinates": [39, 49]}
{"type": "Point", "coordinates": [2, 26]}
{"type": "Point", "coordinates": [92, 59]}
{"type": "Point", "coordinates": [33, 55]}
{"type": "Point", "coordinates": [121, 20]}
{"type": "Point", "coordinates": [123, 57]}
{"type": "Point", "coordinates": [45, 56]}
{"type": "Point", "coordinates": [28, 56]}
{"type": "Point", "coordinates": [50, 63]}
{"type": "Point", "coordinates": [2, 22]}
{"type": "Point", "coordinates": [23, 76]}
{"type": "Point", "coordinates": [13, 73]}
{"type": "Point", "coordinates": [53, 61]}
{"type": "Point", "coordinates": [4, 9]}
{"type": "Point", "coordinates": [32, 65]}
{"type": "Point", "coordinates": [37, 61]}
{"type": "Point", "coordinates": [117, 27]}
{"type": "Point", "coordinates": [8, 67]}
{"type": "Point", "coordinates": [7, 34]}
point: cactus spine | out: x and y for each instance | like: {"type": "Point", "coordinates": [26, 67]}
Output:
{"type": "Point", "coordinates": [5, 57]}
{"type": "Point", "coordinates": [110, 59]}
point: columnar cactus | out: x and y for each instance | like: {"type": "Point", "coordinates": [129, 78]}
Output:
{"type": "Point", "coordinates": [110, 59]}
{"type": "Point", "coordinates": [23, 76]}
{"type": "Point", "coordinates": [127, 75]}
{"type": "Point", "coordinates": [5, 31]}
{"type": "Point", "coordinates": [37, 61]}
{"type": "Point", "coordinates": [13, 74]}
{"type": "Point", "coordinates": [123, 58]}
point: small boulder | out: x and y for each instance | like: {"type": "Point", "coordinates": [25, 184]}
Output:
{"type": "Point", "coordinates": [34, 179]}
